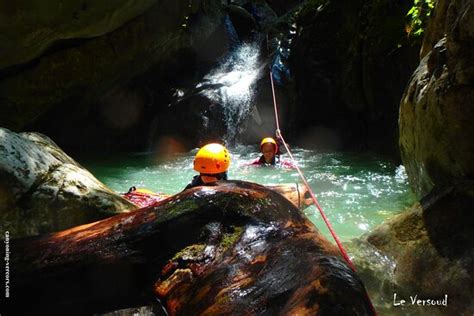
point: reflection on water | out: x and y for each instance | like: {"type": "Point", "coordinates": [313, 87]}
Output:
{"type": "Point", "coordinates": [356, 191]}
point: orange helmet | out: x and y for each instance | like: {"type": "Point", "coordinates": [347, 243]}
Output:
{"type": "Point", "coordinates": [212, 159]}
{"type": "Point", "coordinates": [271, 141]}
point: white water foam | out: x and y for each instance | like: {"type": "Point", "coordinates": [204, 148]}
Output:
{"type": "Point", "coordinates": [236, 77]}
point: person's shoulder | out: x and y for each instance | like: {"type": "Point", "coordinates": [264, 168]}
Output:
{"type": "Point", "coordinates": [194, 182]}
{"type": "Point", "coordinates": [257, 161]}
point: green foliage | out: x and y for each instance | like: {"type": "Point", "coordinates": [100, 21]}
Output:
{"type": "Point", "coordinates": [419, 15]}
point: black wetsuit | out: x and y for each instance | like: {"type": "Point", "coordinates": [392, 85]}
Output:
{"type": "Point", "coordinates": [262, 161]}
{"type": "Point", "coordinates": [197, 181]}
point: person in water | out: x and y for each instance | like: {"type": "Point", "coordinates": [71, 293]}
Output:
{"type": "Point", "coordinates": [212, 162]}
{"type": "Point", "coordinates": [270, 149]}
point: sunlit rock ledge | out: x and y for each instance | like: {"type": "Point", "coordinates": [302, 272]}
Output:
{"type": "Point", "coordinates": [42, 189]}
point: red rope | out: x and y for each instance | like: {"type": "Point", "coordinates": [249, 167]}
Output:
{"type": "Point", "coordinates": [275, 104]}
{"type": "Point", "coordinates": [326, 220]}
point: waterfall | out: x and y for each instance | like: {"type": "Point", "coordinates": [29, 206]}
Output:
{"type": "Point", "coordinates": [233, 83]}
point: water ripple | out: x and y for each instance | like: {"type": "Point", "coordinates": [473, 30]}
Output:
{"type": "Point", "coordinates": [356, 191]}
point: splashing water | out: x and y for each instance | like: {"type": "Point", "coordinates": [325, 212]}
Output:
{"type": "Point", "coordinates": [234, 78]}
{"type": "Point", "coordinates": [357, 192]}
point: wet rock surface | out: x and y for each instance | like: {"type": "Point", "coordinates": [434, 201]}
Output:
{"type": "Point", "coordinates": [237, 248]}
{"type": "Point", "coordinates": [110, 84]}
{"type": "Point", "coordinates": [432, 247]}
{"type": "Point", "coordinates": [435, 112]}
{"type": "Point", "coordinates": [351, 61]}
{"type": "Point", "coordinates": [43, 189]}
{"type": "Point", "coordinates": [73, 80]}
{"type": "Point", "coordinates": [29, 28]}
{"type": "Point", "coordinates": [376, 270]}
{"type": "Point", "coordinates": [431, 244]}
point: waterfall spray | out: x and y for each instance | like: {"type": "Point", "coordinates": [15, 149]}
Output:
{"type": "Point", "coordinates": [235, 78]}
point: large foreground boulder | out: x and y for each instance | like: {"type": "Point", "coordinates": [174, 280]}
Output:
{"type": "Point", "coordinates": [42, 189]}
{"type": "Point", "coordinates": [233, 249]}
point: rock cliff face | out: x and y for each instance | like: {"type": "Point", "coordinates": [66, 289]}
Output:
{"type": "Point", "coordinates": [96, 70]}
{"type": "Point", "coordinates": [42, 189]}
{"type": "Point", "coordinates": [105, 49]}
{"type": "Point", "coordinates": [351, 61]}
{"type": "Point", "coordinates": [433, 250]}
{"type": "Point", "coordinates": [432, 243]}
{"type": "Point", "coordinates": [436, 111]}
{"type": "Point", "coordinates": [30, 28]}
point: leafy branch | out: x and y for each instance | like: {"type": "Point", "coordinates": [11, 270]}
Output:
{"type": "Point", "coordinates": [419, 15]}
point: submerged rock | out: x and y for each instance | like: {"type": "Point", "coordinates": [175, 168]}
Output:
{"type": "Point", "coordinates": [235, 249]}
{"type": "Point", "coordinates": [42, 189]}
{"type": "Point", "coordinates": [376, 270]}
